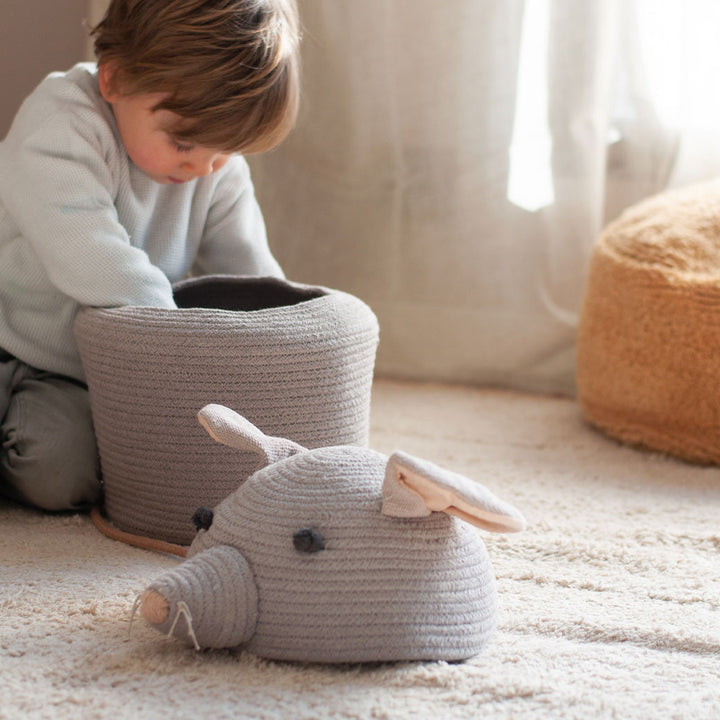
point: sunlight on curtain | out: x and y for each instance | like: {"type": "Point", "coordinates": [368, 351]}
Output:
{"type": "Point", "coordinates": [454, 163]}
{"type": "Point", "coordinates": [665, 85]}
{"type": "Point", "coordinates": [679, 44]}
{"type": "Point", "coordinates": [530, 183]}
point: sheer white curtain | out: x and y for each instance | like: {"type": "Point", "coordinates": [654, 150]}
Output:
{"type": "Point", "coordinates": [455, 161]}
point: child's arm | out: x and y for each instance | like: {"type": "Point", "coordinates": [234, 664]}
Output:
{"type": "Point", "coordinates": [234, 240]}
{"type": "Point", "coordinates": [58, 191]}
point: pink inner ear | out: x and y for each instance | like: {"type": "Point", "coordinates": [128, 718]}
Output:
{"type": "Point", "coordinates": [415, 487]}
{"type": "Point", "coordinates": [498, 523]}
{"type": "Point", "coordinates": [399, 500]}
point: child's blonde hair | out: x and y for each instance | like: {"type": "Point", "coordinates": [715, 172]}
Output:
{"type": "Point", "coordinates": [229, 68]}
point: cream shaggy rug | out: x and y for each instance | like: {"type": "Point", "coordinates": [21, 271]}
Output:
{"type": "Point", "coordinates": [609, 601]}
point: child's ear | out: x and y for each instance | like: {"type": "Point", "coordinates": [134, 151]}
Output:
{"type": "Point", "coordinates": [108, 81]}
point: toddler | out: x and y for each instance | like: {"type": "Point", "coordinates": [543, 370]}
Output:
{"type": "Point", "coordinates": [116, 180]}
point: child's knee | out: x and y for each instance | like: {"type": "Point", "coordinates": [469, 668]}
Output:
{"type": "Point", "coordinates": [49, 456]}
{"type": "Point", "coordinates": [58, 475]}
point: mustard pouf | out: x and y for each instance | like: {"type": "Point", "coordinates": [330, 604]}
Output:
{"type": "Point", "coordinates": [648, 349]}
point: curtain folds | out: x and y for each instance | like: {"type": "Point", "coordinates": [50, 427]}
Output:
{"type": "Point", "coordinates": [454, 163]}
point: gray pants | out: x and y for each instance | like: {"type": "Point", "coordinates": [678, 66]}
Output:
{"type": "Point", "coordinates": [48, 456]}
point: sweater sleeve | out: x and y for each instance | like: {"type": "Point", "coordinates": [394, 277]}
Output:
{"type": "Point", "coordinates": [57, 186]}
{"type": "Point", "coordinates": [234, 239]}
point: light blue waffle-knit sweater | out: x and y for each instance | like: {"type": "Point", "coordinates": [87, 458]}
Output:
{"type": "Point", "coordinates": [80, 224]}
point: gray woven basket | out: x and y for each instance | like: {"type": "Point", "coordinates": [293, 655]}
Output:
{"type": "Point", "coordinates": [296, 360]}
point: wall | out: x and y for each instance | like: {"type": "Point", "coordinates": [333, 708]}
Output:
{"type": "Point", "coordinates": [35, 39]}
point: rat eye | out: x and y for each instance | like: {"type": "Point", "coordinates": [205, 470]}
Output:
{"type": "Point", "coordinates": [308, 540]}
{"type": "Point", "coordinates": [202, 518]}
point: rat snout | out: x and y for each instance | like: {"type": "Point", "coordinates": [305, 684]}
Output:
{"type": "Point", "coordinates": [210, 600]}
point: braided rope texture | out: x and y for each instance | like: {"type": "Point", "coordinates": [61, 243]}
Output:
{"type": "Point", "coordinates": [296, 360]}
{"type": "Point", "coordinates": [381, 589]}
{"type": "Point", "coordinates": [229, 611]}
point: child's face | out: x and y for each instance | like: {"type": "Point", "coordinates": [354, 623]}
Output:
{"type": "Point", "coordinates": [150, 144]}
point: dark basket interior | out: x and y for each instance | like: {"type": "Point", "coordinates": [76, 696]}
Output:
{"type": "Point", "coordinates": [242, 293]}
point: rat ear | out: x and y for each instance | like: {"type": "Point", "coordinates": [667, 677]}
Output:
{"type": "Point", "coordinates": [229, 428]}
{"type": "Point", "coordinates": [415, 488]}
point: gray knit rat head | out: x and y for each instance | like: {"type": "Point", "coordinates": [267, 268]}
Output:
{"type": "Point", "coordinates": [338, 554]}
